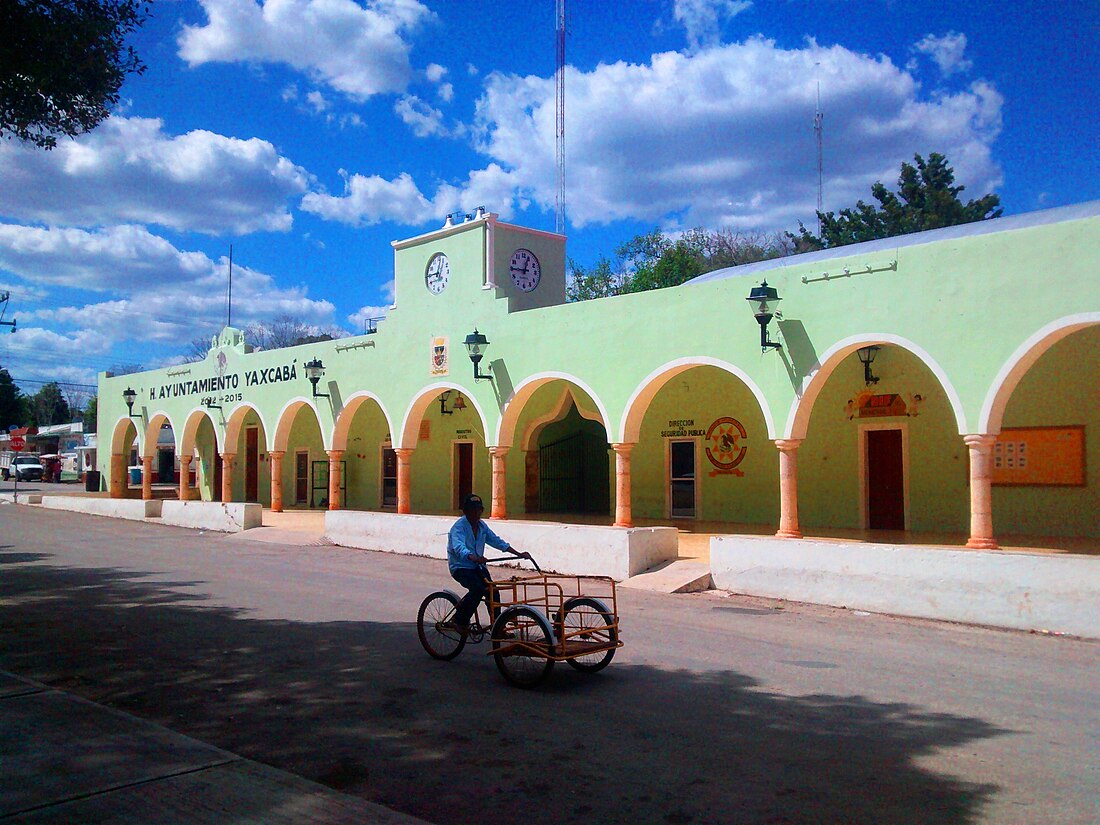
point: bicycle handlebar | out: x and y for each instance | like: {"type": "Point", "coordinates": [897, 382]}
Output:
{"type": "Point", "coordinates": [526, 556]}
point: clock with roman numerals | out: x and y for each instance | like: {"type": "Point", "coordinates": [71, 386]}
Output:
{"type": "Point", "coordinates": [525, 269]}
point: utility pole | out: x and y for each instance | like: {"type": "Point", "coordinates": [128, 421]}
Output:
{"type": "Point", "coordinates": [559, 100]}
{"type": "Point", "coordinates": [819, 116]}
{"type": "Point", "coordinates": [4, 296]}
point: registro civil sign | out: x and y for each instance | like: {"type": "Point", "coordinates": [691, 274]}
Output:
{"type": "Point", "coordinates": [17, 443]}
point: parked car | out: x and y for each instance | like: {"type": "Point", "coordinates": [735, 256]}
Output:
{"type": "Point", "coordinates": [25, 468]}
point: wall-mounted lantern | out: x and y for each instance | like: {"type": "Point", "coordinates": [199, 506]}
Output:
{"type": "Point", "coordinates": [129, 396]}
{"type": "Point", "coordinates": [762, 296]}
{"type": "Point", "coordinates": [314, 370]}
{"type": "Point", "coordinates": [867, 357]}
{"type": "Point", "coordinates": [476, 344]}
{"type": "Point", "coordinates": [210, 405]}
{"type": "Point", "coordinates": [458, 404]}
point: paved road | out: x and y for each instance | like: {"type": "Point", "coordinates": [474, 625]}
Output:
{"type": "Point", "coordinates": [719, 709]}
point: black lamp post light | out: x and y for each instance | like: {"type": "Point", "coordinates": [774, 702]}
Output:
{"type": "Point", "coordinates": [763, 295]}
{"type": "Point", "coordinates": [867, 357]}
{"type": "Point", "coordinates": [129, 396]}
{"type": "Point", "coordinates": [314, 370]}
{"type": "Point", "coordinates": [476, 344]}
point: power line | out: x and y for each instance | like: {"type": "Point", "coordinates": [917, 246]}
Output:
{"type": "Point", "coordinates": [59, 383]}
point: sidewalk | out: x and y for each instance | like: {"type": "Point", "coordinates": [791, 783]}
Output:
{"type": "Point", "coordinates": [65, 759]}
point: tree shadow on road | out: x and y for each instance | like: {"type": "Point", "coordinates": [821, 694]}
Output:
{"type": "Point", "coordinates": [360, 707]}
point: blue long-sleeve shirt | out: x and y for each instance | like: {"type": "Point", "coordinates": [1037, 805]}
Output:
{"type": "Point", "coordinates": [462, 543]}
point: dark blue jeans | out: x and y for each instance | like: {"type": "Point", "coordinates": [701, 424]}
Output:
{"type": "Point", "coordinates": [476, 583]}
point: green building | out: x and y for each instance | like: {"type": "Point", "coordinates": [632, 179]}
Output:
{"type": "Point", "coordinates": [943, 383]}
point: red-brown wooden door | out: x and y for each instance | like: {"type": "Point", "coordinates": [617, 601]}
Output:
{"type": "Point", "coordinates": [885, 480]}
{"type": "Point", "coordinates": [251, 465]}
{"type": "Point", "coordinates": [464, 471]}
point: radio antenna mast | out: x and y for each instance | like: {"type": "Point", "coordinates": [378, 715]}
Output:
{"type": "Point", "coordinates": [229, 302]}
{"type": "Point", "coordinates": [819, 116]}
{"type": "Point", "coordinates": [559, 100]}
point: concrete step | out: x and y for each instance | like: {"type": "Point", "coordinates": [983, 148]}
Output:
{"type": "Point", "coordinates": [680, 576]}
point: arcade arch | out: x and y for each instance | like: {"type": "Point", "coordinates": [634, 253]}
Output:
{"type": "Point", "coordinates": [200, 457]}
{"type": "Point", "coordinates": [124, 451]}
{"type": "Point", "coordinates": [246, 472]}
{"type": "Point", "coordinates": [363, 434]}
{"type": "Point", "coordinates": [301, 467]}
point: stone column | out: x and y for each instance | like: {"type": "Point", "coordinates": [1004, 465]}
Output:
{"type": "Point", "coordinates": [118, 476]}
{"type": "Point", "coordinates": [788, 488]}
{"type": "Point", "coordinates": [227, 477]}
{"type": "Point", "coordinates": [623, 516]}
{"type": "Point", "coordinates": [146, 477]}
{"type": "Point", "coordinates": [981, 491]}
{"type": "Point", "coordinates": [276, 480]}
{"type": "Point", "coordinates": [500, 509]}
{"type": "Point", "coordinates": [404, 480]}
{"type": "Point", "coordinates": [185, 477]}
{"type": "Point", "coordinates": [334, 457]}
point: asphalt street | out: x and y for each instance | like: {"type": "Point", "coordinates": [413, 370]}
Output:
{"type": "Point", "coordinates": [718, 708]}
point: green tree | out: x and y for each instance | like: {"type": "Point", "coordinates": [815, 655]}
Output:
{"type": "Point", "coordinates": [90, 414]}
{"type": "Point", "coordinates": [62, 63]}
{"type": "Point", "coordinates": [48, 406]}
{"type": "Point", "coordinates": [13, 404]}
{"type": "Point", "coordinates": [927, 198]}
{"type": "Point", "coordinates": [654, 260]}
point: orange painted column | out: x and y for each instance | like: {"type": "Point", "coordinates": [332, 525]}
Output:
{"type": "Point", "coordinates": [146, 477]}
{"type": "Point", "coordinates": [404, 480]}
{"type": "Point", "coordinates": [500, 508]}
{"type": "Point", "coordinates": [227, 477]}
{"type": "Point", "coordinates": [277, 480]}
{"type": "Point", "coordinates": [981, 491]}
{"type": "Point", "coordinates": [118, 476]}
{"type": "Point", "coordinates": [334, 457]}
{"type": "Point", "coordinates": [788, 488]}
{"type": "Point", "coordinates": [185, 477]}
{"type": "Point", "coordinates": [623, 515]}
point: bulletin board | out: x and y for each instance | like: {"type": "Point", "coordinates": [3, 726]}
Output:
{"type": "Point", "coordinates": [1040, 456]}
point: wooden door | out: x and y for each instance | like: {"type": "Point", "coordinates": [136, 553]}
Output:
{"type": "Point", "coordinates": [464, 471]}
{"type": "Point", "coordinates": [885, 480]}
{"type": "Point", "coordinates": [217, 476]}
{"type": "Point", "coordinates": [301, 478]}
{"type": "Point", "coordinates": [389, 477]}
{"type": "Point", "coordinates": [251, 464]}
{"type": "Point", "coordinates": [681, 472]}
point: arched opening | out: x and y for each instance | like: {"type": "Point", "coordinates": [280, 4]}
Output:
{"type": "Point", "coordinates": [160, 446]}
{"type": "Point", "coordinates": [1047, 420]}
{"type": "Point", "coordinates": [446, 430]}
{"type": "Point", "coordinates": [362, 431]}
{"type": "Point", "coordinates": [124, 455]}
{"type": "Point", "coordinates": [885, 455]}
{"type": "Point", "coordinates": [703, 452]}
{"type": "Point", "coordinates": [305, 466]}
{"type": "Point", "coordinates": [246, 439]}
{"type": "Point", "coordinates": [200, 441]}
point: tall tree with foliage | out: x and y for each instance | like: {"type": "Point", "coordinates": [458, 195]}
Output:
{"type": "Point", "coordinates": [62, 63]}
{"type": "Point", "coordinates": [13, 404]}
{"type": "Point", "coordinates": [48, 406]}
{"type": "Point", "coordinates": [655, 261]}
{"type": "Point", "coordinates": [927, 198]}
{"type": "Point", "coordinates": [91, 412]}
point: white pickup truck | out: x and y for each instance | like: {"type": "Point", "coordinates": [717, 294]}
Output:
{"type": "Point", "coordinates": [24, 466]}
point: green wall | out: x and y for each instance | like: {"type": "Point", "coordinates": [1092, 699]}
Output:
{"type": "Point", "coordinates": [368, 435]}
{"type": "Point", "coordinates": [432, 465]}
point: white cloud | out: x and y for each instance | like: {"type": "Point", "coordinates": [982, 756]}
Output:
{"type": "Point", "coordinates": [724, 137]}
{"type": "Point", "coordinates": [361, 316]}
{"type": "Point", "coordinates": [434, 72]}
{"type": "Point", "coordinates": [947, 52]}
{"type": "Point", "coordinates": [129, 171]}
{"type": "Point", "coordinates": [317, 101]}
{"type": "Point", "coordinates": [702, 19]}
{"type": "Point", "coordinates": [423, 119]}
{"type": "Point", "coordinates": [446, 92]}
{"type": "Point", "coordinates": [359, 51]}
{"type": "Point", "coordinates": [368, 200]}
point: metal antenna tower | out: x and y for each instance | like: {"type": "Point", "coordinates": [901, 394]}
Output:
{"type": "Point", "coordinates": [559, 100]}
{"type": "Point", "coordinates": [819, 116]}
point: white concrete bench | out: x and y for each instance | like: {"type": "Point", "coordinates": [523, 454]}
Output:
{"type": "Point", "coordinates": [134, 509]}
{"type": "Point", "coordinates": [212, 515]}
{"type": "Point", "coordinates": [576, 549]}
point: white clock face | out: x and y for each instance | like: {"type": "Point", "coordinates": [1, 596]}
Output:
{"type": "Point", "coordinates": [438, 273]}
{"type": "Point", "coordinates": [525, 270]}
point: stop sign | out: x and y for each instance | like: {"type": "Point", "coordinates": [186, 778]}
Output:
{"type": "Point", "coordinates": [18, 443]}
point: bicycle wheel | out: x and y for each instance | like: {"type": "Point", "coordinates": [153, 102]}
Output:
{"type": "Point", "coordinates": [519, 635]}
{"type": "Point", "coordinates": [593, 623]}
{"type": "Point", "coordinates": [440, 642]}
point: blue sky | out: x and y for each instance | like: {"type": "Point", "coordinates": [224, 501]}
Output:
{"type": "Point", "coordinates": [310, 133]}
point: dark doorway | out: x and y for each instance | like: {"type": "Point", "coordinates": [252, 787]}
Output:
{"type": "Point", "coordinates": [681, 471]}
{"type": "Point", "coordinates": [166, 466]}
{"type": "Point", "coordinates": [301, 478]}
{"type": "Point", "coordinates": [389, 477]}
{"type": "Point", "coordinates": [573, 466]}
{"type": "Point", "coordinates": [251, 464]}
{"type": "Point", "coordinates": [464, 471]}
{"type": "Point", "coordinates": [885, 480]}
{"type": "Point", "coordinates": [217, 476]}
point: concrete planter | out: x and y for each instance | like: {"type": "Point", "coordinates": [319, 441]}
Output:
{"type": "Point", "coordinates": [576, 549]}
{"type": "Point", "coordinates": [1012, 590]}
